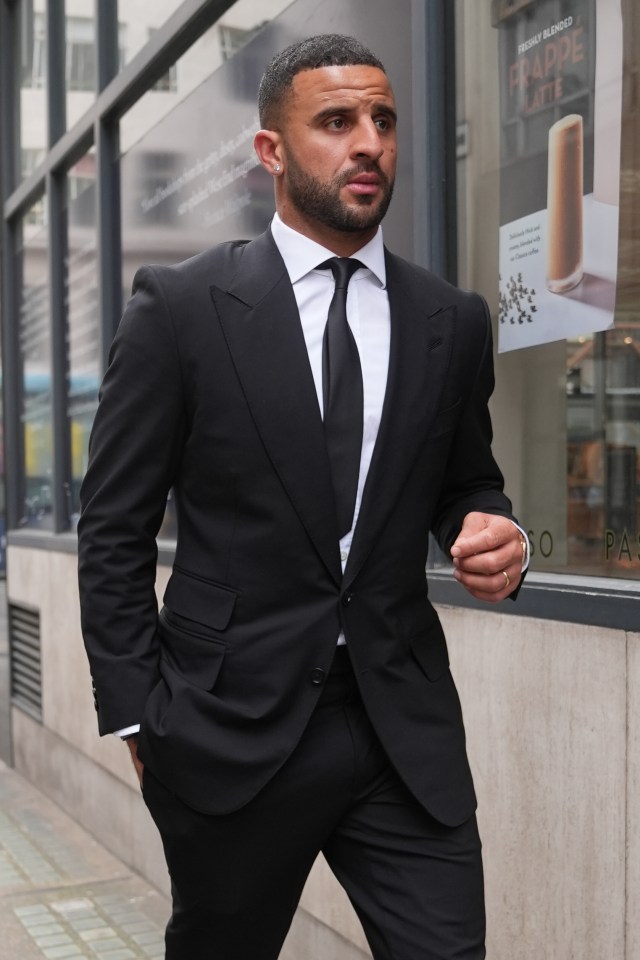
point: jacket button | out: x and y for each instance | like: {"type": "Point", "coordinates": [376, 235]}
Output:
{"type": "Point", "coordinates": [346, 599]}
{"type": "Point", "coordinates": [317, 676]}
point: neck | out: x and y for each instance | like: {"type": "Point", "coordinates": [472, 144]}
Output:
{"type": "Point", "coordinates": [342, 243]}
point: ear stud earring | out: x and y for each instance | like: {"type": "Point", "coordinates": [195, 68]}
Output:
{"type": "Point", "coordinates": [276, 168]}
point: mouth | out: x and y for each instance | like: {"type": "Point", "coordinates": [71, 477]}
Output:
{"type": "Point", "coordinates": [364, 184]}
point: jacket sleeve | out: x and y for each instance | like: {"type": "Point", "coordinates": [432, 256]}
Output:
{"type": "Point", "coordinates": [134, 452]}
{"type": "Point", "coordinates": [472, 480]}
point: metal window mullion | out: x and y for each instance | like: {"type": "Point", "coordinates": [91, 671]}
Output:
{"type": "Point", "coordinates": [106, 33]}
{"type": "Point", "coordinates": [56, 203]}
{"type": "Point", "coordinates": [10, 276]}
{"type": "Point", "coordinates": [12, 377]}
{"type": "Point", "coordinates": [108, 234]}
{"type": "Point", "coordinates": [56, 83]}
{"type": "Point", "coordinates": [108, 182]}
{"type": "Point", "coordinates": [61, 440]}
{"type": "Point", "coordinates": [433, 83]}
{"type": "Point", "coordinates": [10, 100]}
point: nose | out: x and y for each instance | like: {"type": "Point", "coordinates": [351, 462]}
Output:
{"type": "Point", "coordinates": [367, 141]}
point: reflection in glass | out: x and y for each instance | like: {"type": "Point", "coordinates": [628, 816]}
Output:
{"type": "Point", "coordinates": [566, 414]}
{"type": "Point", "coordinates": [32, 268]}
{"type": "Point", "coordinates": [33, 82]}
{"type": "Point", "coordinates": [80, 58]}
{"type": "Point", "coordinates": [221, 42]}
{"type": "Point", "coordinates": [81, 299]}
{"type": "Point", "coordinates": [138, 19]}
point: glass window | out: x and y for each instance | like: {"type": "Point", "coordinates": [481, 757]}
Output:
{"type": "Point", "coordinates": [80, 67]}
{"type": "Point", "coordinates": [35, 358]}
{"type": "Point", "coordinates": [566, 412]}
{"type": "Point", "coordinates": [228, 35]}
{"type": "Point", "coordinates": [169, 82]}
{"type": "Point", "coordinates": [34, 48]}
{"type": "Point", "coordinates": [80, 58]}
{"type": "Point", "coordinates": [80, 53]}
{"type": "Point", "coordinates": [31, 159]}
{"type": "Point", "coordinates": [81, 299]}
{"type": "Point", "coordinates": [233, 39]}
{"type": "Point", "coordinates": [33, 81]}
{"type": "Point", "coordinates": [139, 19]}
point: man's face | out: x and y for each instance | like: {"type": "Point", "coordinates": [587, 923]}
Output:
{"type": "Point", "coordinates": [339, 153]}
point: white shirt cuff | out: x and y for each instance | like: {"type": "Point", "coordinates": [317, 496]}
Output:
{"type": "Point", "coordinates": [127, 731]}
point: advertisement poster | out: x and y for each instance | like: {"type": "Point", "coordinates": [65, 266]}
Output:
{"type": "Point", "coordinates": [560, 127]}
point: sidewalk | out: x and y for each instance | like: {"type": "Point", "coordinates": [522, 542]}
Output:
{"type": "Point", "coordinates": [62, 895]}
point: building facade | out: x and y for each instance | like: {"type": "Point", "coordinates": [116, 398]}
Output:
{"type": "Point", "coordinates": [126, 138]}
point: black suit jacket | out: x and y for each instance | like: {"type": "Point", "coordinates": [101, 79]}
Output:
{"type": "Point", "coordinates": [209, 390]}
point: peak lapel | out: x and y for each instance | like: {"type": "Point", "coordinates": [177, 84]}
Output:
{"type": "Point", "coordinates": [261, 325]}
{"type": "Point", "coordinates": [422, 334]}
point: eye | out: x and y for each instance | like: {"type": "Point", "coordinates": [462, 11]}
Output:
{"type": "Point", "coordinates": [336, 123]}
{"type": "Point", "coordinates": [384, 123]}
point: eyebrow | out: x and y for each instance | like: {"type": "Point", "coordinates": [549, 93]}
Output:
{"type": "Point", "coordinates": [331, 111]}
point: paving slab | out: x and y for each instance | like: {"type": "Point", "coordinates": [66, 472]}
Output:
{"type": "Point", "coordinates": [62, 895]}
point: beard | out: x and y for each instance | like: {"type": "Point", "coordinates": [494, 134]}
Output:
{"type": "Point", "coordinates": [321, 201]}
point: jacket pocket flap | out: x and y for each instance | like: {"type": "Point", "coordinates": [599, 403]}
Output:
{"type": "Point", "coordinates": [201, 601]}
{"type": "Point", "coordinates": [196, 658]}
{"type": "Point", "coordinates": [430, 651]}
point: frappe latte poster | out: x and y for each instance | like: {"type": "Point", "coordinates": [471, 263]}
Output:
{"type": "Point", "coordinates": [560, 125]}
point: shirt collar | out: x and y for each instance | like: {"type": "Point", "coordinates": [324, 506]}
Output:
{"type": "Point", "coordinates": [301, 255]}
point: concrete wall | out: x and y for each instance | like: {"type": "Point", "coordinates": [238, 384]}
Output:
{"type": "Point", "coordinates": [553, 723]}
{"type": "Point", "coordinates": [547, 708]}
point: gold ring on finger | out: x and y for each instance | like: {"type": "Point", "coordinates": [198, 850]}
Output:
{"type": "Point", "coordinates": [507, 579]}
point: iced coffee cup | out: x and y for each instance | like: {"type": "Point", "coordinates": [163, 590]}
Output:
{"type": "Point", "coordinates": [564, 204]}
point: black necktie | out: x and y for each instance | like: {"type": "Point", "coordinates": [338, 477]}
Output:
{"type": "Point", "coordinates": [342, 395]}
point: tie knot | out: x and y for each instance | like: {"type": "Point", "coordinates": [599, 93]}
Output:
{"type": "Point", "coordinates": [343, 268]}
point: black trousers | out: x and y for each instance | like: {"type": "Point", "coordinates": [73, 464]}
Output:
{"type": "Point", "coordinates": [415, 884]}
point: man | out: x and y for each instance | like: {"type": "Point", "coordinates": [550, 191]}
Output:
{"type": "Point", "coordinates": [293, 695]}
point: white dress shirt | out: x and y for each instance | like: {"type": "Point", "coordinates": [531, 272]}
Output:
{"type": "Point", "coordinates": [367, 314]}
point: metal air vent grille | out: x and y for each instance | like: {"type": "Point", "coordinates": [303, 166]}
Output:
{"type": "Point", "coordinates": [24, 651]}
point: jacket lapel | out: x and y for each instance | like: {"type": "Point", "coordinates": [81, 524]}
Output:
{"type": "Point", "coordinates": [261, 324]}
{"type": "Point", "coordinates": [422, 331]}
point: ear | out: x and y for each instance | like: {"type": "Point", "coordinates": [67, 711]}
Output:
{"type": "Point", "coordinates": [268, 146]}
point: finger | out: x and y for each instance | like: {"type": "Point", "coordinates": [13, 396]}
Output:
{"type": "Point", "coordinates": [495, 586]}
{"type": "Point", "coordinates": [490, 562]}
{"type": "Point", "coordinates": [488, 597]}
{"type": "Point", "coordinates": [492, 537]}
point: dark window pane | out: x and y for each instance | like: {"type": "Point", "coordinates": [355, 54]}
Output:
{"type": "Point", "coordinates": [82, 315]}
{"type": "Point", "coordinates": [35, 357]}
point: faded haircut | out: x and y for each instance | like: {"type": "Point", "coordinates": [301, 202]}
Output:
{"type": "Point", "coordinates": [325, 50]}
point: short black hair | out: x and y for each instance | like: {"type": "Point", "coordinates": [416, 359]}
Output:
{"type": "Point", "coordinates": [324, 50]}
